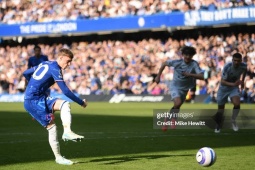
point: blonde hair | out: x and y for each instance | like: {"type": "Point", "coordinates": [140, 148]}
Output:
{"type": "Point", "coordinates": [65, 52]}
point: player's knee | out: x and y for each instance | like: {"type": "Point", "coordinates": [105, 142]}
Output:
{"type": "Point", "coordinates": [65, 106]}
{"type": "Point", "coordinates": [51, 125]}
{"type": "Point", "coordinates": [177, 104]}
{"type": "Point", "coordinates": [236, 104]}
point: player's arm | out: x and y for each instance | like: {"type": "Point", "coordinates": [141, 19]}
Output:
{"type": "Point", "coordinates": [161, 69]}
{"type": "Point", "coordinates": [29, 72]}
{"type": "Point", "coordinates": [62, 85]}
{"type": "Point", "coordinates": [227, 83]}
{"type": "Point", "coordinates": [198, 73]}
{"type": "Point", "coordinates": [196, 76]}
{"type": "Point", "coordinates": [224, 77]}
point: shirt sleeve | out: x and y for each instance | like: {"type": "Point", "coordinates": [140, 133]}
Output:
{"type": "Point", "coordinates": [29, 72]}
{"type": "Point", "coordinates": [198, 70]}
{"type": "Point", "coordinates": [169, 63]}
{"type": "Point", "coordinates": [68, 92]}
{"type": "Point", "coordinates": [58, 77]}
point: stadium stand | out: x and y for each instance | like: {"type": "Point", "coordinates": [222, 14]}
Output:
{"type": "Point", "coordinates": [113, 67]}
{"type": "Point", "coordinates": [20, 11]}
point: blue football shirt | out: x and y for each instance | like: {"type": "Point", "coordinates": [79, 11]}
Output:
{"type": "Point", "coordinates": [42, 77]}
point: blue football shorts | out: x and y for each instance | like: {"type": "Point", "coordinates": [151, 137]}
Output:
{"type": "Point", "coordinates": [41, 109]}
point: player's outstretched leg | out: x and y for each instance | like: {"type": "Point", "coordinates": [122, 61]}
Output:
{"type": "Point", "coordinates": [66, 120]}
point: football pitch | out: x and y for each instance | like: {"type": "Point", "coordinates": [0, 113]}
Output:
{"type": "Point", "coordinates": [120, 137]}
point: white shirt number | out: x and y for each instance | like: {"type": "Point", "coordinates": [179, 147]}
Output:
{"type": "Point", "coordinates": [42, 73]}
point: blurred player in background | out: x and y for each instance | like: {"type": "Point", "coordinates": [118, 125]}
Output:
{"type": "Point", "coordinates": [37, 59]}
{"type": "Point", "coordinates": [229, 87]}
{"type": "Point", "coordinates": [42, 108]}
{"type": "Point", "coordinates": [186, 70]}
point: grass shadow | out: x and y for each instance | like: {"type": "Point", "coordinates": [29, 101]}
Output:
{"type": "Point", "coordinates": [122, 159]}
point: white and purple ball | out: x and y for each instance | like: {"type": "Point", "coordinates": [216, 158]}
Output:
{"type": "Point", "coordinates": [206, 156]}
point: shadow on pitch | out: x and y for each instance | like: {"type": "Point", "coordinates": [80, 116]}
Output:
{"type": "Point", "coordinates": [123, 159]}
{"type": "Point", "coordinates": [79, 162]}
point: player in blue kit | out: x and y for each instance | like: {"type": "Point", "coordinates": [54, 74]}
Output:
{"type": "Point", "coordinates": [229, 87]}
{"type": "Point", "coordinates": [186, 71]}
{"type": "Point", "coordinates": [37, 59]}
{"type": "Point", "coordinates": [42, 108]}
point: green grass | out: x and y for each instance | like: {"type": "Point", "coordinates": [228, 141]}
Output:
{"type": "Point", "coordinates": [120, 137]}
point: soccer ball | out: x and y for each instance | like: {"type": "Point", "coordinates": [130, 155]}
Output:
{"type": "Point", "coordinates": [206, 156]}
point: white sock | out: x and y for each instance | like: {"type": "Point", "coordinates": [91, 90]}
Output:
{"type": "Point", "coordinates": [53, 140]}
{"type": "Point", "coordinates": [66, 116]}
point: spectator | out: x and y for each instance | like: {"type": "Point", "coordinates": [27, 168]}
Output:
{"type": "Point", "coordinates": [137, 88]}
{"type": "Point", "coordinates": [83, 89]}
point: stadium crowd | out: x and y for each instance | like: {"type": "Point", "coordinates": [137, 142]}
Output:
{"type": "Point", "coordinates": [23, 11]}
{"type": "Point", "coordinates": [113, 67]}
